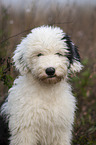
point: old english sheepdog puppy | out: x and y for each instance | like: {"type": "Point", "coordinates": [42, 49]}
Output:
{"type": "Point", "coordinates": [40, 105]}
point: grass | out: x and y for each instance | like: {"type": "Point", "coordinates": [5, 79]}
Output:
{"type": "Point", "coordinates": [5, 77]}
{"type": "Point", "coordinates": [85, 123]}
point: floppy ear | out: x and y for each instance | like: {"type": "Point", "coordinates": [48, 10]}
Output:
{"type": "Point", "coordinates": [19, 59]}
{"type": "Point", "coordinates": [73, 55]}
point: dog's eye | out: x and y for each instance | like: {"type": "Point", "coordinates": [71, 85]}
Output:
{"type": "Point", "coordinates": [40, 54]}
{"type": "Point", "coordinates": [59, 54]}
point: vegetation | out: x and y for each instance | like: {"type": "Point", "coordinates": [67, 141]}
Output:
{"type": "Point", "coordinates": [85, 123]}
{"type": "Point", "coordinates": [80, 23]}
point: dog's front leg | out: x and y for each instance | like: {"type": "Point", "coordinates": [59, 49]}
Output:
{"type": "Point", "coordinates": [23, 137]}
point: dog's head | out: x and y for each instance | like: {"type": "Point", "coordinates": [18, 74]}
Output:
{"type": "Point", "coordinates": [48, 54]}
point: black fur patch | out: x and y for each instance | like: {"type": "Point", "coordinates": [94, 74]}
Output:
{"type": "Point", "coordinates": [4, 133]}
{"type": "Point", "coordinates": [73, 51]}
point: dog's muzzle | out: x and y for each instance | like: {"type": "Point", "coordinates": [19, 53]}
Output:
{"type": "Point", "coordinates": [50, 76]}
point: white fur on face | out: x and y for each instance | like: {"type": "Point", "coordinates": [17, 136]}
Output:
{"type": "Point", "coordinates": [49, 58]}
{"type": "Point", "coordinates": [39, 65]}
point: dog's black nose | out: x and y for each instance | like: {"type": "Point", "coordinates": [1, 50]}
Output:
{"type": "Point", "coordinates": [50, 71]}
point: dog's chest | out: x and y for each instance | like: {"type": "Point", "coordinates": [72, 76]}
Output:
{"type": "Point", "coordinates": [47, 118]}
{"type": "Point", "coordinates": [43, 114]}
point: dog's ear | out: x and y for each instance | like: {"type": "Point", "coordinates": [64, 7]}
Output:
{"type": "Point", "coordinates": [72, 55]}
{"type": "Point", "coordinates": [19, 59]}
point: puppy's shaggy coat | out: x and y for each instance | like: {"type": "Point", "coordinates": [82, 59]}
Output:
{"type": "Point", "coordinates": [40, 106]}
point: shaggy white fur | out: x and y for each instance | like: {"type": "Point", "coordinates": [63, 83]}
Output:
{"type": "Point", "coordinates": [40, 106]}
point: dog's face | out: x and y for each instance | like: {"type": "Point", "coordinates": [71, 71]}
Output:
{"type": "Point", "coordinates": [48, 54]}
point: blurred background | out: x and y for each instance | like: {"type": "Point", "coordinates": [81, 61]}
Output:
{"type": "Point", "coordinates": [78, 19]}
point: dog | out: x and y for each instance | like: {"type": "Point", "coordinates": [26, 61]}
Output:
{"type": "Point", "coordinates": [40, 106]}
